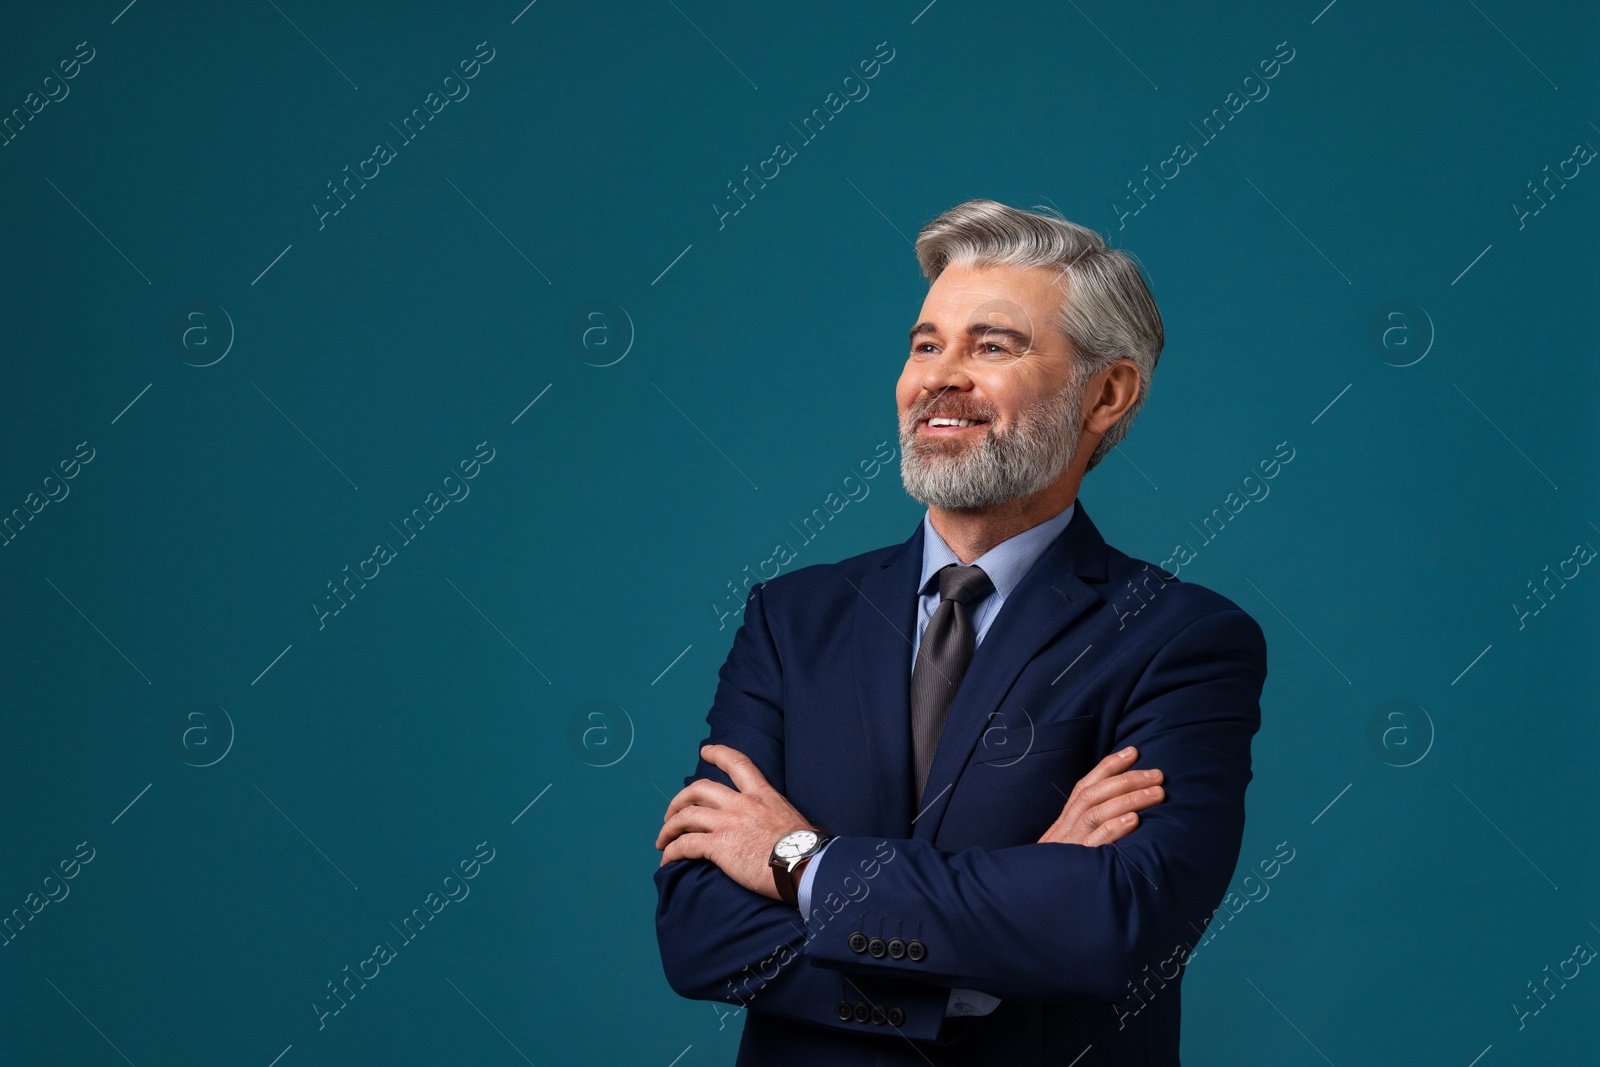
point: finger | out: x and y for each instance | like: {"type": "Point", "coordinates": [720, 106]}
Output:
{"type": "Point", "coordinates": [1057, 832]}
{"type": "Point", "coordinates": [690, 847]}
{"type": "Point", "coordinates": [702, 791]}
{"type": "Point", "coordinates": [1118, 806]}
{"type": "Point", "coordinates": [691, 820]}
{"type": "Point", "coordinates": [687, 847]}
{"type": "Point", "coordinates": [1114, 830]}
{"type": "Point", "coordinates": [1112, 764]}
{"type": "Point", "coordinates": [1117, 785]}
{"type": "Point", "coordinates": [1079, 820]}
{"type": "Point", "coordinates": [747, 777]}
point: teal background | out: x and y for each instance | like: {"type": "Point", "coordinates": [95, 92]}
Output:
{"type": "Point", "coordinates": [360, 761]}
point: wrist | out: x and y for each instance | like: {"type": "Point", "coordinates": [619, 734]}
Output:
{"type": "Point", "coordinates": [790, 856]}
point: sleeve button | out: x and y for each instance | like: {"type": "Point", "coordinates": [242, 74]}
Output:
{"type": "Point", "coordinates": [858, 942]}
{"type": "Point", "coordinates": [862, 1012]}
{"type": "Point", "coordinates": [876, 948]}
{"type": "Point", "coordinates": [878, 1016]}
{"type": "Point", "coordinates": [916, 950]}
{"type": "Point", "coordinates": [844, 1011]}
{"type": "Point", "coordinates": [897, 948]}
{"type": "Point", "coordinates": [896, 1017]}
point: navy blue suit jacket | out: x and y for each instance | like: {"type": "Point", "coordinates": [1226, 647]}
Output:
{"type": "Point", "coordinates": [1093, 651]}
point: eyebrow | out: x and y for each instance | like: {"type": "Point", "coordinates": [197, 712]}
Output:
{"type": "Point", "coordinates": [977, 329]}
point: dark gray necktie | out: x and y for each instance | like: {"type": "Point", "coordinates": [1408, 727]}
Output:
{"type": "Point", "coordinates": [942, 660]}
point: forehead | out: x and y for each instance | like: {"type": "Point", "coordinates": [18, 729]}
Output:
{"type": "Point", "coordinates": [1023, 298]}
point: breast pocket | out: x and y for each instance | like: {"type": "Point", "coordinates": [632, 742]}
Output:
{"type": "Point", "coordinates": [1008, 743]}
{"type": "Point", "coordinates": [1020, 775]}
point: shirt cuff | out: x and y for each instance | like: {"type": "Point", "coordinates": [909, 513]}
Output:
{"type": "Point", "coordinates": [804, 891]}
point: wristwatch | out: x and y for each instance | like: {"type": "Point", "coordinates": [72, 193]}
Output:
{"type": "Point", "coordinates": [792, 850]}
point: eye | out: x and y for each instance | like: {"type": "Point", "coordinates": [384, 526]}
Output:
{"type": "Point", "coordinates": [994, 348]}
{"type": "Point", "coordinates": [924, 347]}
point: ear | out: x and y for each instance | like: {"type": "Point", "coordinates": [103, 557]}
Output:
{"type": "Point", "coordinates": [1108, 396]}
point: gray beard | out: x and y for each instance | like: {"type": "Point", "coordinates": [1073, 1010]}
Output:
{"type": "Point", "coordinates": [1001, 466]}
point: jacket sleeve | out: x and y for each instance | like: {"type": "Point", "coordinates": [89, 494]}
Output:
{"type": "Point", "coordinates": [1051, 922]}
{"type": "Point", "coordinates": [720, 941]}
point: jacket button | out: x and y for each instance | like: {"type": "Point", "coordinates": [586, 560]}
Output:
{"type": "Point", "coordinates": [876, 948]}
{"type": "Point", "coordinates": [844, 1011]}
{"type": "Point", "coordinates": [897, 948]}
{"type": "Point", "coordinates": [862, 1012]}
{"type": "Point", "coordinates": [896, 1017]}
{"type": "Point", "coordinates": [858, 942]}
{"type": "Point", "coordinates": [916, 950]}
{"type": "Point", "coordinates": [878, 1016]}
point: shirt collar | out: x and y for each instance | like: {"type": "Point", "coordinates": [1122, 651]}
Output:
{"type": "Point", "coordinates": [1005, 563]}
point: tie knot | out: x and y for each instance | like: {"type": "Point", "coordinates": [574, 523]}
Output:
{"type": "Point", "coordinates": [964, 585]}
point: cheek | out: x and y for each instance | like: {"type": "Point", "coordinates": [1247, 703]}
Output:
{"type": "Point", "coordinates": [1016, 388]}
{"type": "Point", "coordinates": [1001, 391]}
{"type": "Point", "coordinates": [906, 389]}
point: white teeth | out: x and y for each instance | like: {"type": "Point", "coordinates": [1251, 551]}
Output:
{"type": "Point", "coordinates": [952, 422]}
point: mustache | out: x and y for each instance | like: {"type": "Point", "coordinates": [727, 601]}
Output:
{"type": "Point", "coordinates": [937, 407]}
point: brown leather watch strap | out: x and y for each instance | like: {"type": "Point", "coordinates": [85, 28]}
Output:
{"type": "Point", "coordinates": [788, 882]}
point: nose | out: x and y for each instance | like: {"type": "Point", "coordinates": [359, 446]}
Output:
{"type": "Point", "coordinates": [944, 373]}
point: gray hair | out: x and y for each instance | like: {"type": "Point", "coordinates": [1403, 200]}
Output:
{"type": "Point", "coordinates": [1108, 312]}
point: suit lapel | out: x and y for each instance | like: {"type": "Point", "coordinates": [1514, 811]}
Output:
{"type": "Point", "coordinates": [885, 620]}
{"type": "Point", "coordinates": [1053, 595]}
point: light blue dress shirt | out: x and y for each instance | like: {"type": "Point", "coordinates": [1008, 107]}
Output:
{"type": "Point", "coordinates": [1005, 564]}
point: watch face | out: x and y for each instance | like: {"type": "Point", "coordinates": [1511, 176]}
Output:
{"type": "Point", "coordinates": [796, 844]}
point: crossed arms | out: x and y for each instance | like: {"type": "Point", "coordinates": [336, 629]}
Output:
{"type": "Point", "coordinates": [1065, 918]}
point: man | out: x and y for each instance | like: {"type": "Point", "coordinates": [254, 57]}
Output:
{"type": "Point", "coordinates": [927, 826]}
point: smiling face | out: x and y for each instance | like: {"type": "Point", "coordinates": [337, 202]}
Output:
{"type": "Point", "coordinates": [989, 409]}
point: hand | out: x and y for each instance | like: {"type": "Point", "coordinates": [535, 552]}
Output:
{"type": "Point", "coordinates": [1104, 805]}
{"type": "Point", "coordinates": [733, 828]}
